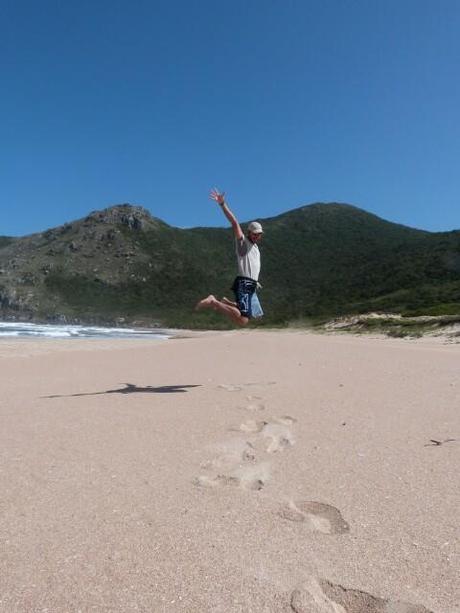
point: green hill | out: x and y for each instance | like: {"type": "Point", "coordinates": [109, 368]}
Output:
{"type": "Point", "coordinates": [341, 259]}
{"type": "Point", "coordinates": [319, 260]}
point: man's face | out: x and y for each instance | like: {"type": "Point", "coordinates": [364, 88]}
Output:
{"type": "Point", "coordinates": [255, 237]}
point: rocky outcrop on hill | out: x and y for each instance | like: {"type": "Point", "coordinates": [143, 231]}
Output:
{"type": "Point", "coordinates": [133, 217]}
{"type": "Point", "coordinates": [103, 246]}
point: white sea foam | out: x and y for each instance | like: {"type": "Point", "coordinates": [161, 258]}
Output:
{"type": "Point", "coordinates": [15, 329]}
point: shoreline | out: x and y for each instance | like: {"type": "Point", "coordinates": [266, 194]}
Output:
{"type": "Point", "coordinates": [444, 329]}
{"type": "Point", "coordinates": [29, 345]}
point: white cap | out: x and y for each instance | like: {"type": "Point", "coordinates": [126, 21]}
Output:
{"type": "Point", "coordinates": [255, 227]}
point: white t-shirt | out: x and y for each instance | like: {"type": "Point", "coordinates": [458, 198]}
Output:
{"type": "Point", "coordinates": [248, 257]}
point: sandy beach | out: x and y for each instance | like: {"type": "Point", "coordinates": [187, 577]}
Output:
{"type": "Point", "coordinates": [232, 472]}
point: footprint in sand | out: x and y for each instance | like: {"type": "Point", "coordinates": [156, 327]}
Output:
{"type": "Point", "coordinates": [279, 436]}
{"type": "Point", "coordinates": [287, 420]}
{"type": "Point", "coordinates": [233, 458]}
{"type": "Point", "coordinates": [254, 407]}
{"type": "Point", "coordinates": [276, 432]}
{"type": "Point", "coordinates": [237, 387]}
{"type": "Point", "coordinates": [251, 426]}
{"type": "Point", "coordinates": [317, 516]}
{"type": "Point", "coordinates": [228, 387]}
{"type": "Point", "coordinates": [235, 466]}
{"type": "Point", "coordinates": [246, 477]}
{"type": "Point", "coordinates": [230, 454]}
{"type": "Point", "coordinates": [321, 596]}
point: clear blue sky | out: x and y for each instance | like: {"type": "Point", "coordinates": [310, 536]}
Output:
{"type": "Point", "coordinates": [281, 103]}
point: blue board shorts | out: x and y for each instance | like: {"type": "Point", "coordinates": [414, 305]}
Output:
{"type": "Point", "coordinates": [246, 297]}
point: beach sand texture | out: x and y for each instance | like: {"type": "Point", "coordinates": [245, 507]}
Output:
{"type": "Point", "coordinates": [234, 472]}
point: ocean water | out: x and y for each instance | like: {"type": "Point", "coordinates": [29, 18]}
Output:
{"type": "Point", "coordinates": [26, 330]}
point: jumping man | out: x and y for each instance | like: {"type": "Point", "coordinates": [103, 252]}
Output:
{"type": "Point", "coordinates": [246, 305]}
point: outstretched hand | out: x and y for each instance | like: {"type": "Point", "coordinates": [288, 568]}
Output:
{"type": "Point", "coordinates": [219, 197]}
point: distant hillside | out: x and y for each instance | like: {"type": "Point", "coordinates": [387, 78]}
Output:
{"type": "Point", "coordinates": [318, 260]}
{"type": "Point", "coordinates": [5, 240]}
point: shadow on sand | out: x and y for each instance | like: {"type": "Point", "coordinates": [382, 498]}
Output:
{"type": "Point", "coordinates": [130, 388]}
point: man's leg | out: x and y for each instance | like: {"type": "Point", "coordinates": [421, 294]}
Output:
{"type": "Point", "coordinates": [232, 303]}
{"type": "Point", "coordinates": [232, 312]}
{"type": "Point", "coordinates": [206, 303]}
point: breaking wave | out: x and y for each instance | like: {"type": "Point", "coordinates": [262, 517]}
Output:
{"type": "Point", "coordinates": [11, 330]}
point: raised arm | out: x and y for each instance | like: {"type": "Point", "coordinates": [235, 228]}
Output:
{"type": "Point", "coordinates": [219, 197]}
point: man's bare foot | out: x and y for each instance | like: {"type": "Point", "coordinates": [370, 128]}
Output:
{"type": "Point", "coordinates": [206, 303]}
{"type": "Point", "coordinates": [225, 300]}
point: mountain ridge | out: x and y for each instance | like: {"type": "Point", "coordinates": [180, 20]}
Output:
{"type": "Point", "coordinates": [122, 263]}
{"type": "Point", "coordinates": [310, 206]}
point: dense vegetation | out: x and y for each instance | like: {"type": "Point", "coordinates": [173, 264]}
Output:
{"type": "Point", "coordinates": [320, 260]}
